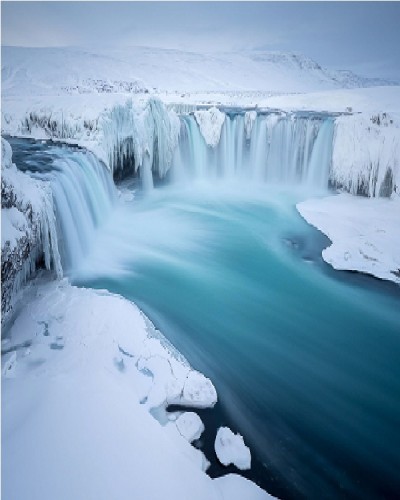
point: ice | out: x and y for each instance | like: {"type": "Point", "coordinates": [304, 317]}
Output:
{"type": "Point", "coordinates": [13, 226]}
{"type": "Point", "coordinates": [230, 449]}
{"type": "Point", "coordinates": [28, 229]}
{"type": "Point", "coordinates": [76, 405]}
{"type": "Point", "coordinates": [9, 364]}
{"type": "Point", "coordinates": [374, 168]}
{"type": "Point", "coordinates": [364, 232]}
{"type": "Point", "coordinates": [198, 391]}
{"type": "Point", "coordinates": [189, 424]}
{"type": "Point", "coordinates": [249, 119]}
{"type": "Point", "coordinates": [235, 487]}
{"type": "Point", "coordinates": [210, 122]}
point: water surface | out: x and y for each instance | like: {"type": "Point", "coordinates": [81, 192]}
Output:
{"type": "Point", "coordinates": [306, 365]}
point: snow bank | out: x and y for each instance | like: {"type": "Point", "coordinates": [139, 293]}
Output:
{"type": "Point", "coordinates": [210, 122]}
{"type": "Point", "coordinates": [234, 487]}
{"type": "Point", "coordinates": [230, 449]}
{"type": "Point", "coordinates": [74, 388]}
{"type": "Point", "coordinates": [28, 229]}
{"type": "Point", "coordinates": [364, 232]}
{"type": "Point", "coordinates": [366, 155]}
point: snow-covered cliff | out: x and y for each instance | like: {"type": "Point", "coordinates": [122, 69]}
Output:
{"type": "Point", "coordinates": [28, 233]}
{"type": "Point", "coordinates": [143, 137]}
{"type": "Point", "coordinates": [366, 154]}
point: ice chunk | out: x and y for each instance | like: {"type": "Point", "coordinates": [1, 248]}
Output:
{"type": "Point", "coordinates": [190, 426]}
{"type": "Point", "coordinates": [210, 122]}
{"type": "Point", "coordinates": [230, 449]}
{"type": "Point", "coordinates": [198, 391]}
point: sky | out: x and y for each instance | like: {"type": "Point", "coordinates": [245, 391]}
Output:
{"type": "Point", "coordinates": [361, 36]}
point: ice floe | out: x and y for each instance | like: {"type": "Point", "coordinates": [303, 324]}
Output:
{"type": "Point", "coordinates": [230, 449]}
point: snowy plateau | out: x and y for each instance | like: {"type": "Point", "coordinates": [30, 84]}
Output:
{"type": "Point", "coordinates": [86, 377]}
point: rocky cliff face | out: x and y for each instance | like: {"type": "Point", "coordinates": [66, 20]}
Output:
{"type": "Point", "coordinates": [29, 236]}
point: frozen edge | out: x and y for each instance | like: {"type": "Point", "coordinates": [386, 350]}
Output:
{"type": "Point", "coordinates": [84, 361]}
{"type": "Point", "coordinates": [364, 232]}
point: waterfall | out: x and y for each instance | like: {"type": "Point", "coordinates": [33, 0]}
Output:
{"type": "Point", "coordinates": [266, 147]}
{"type": "Point", "coordinates": [83, 195]}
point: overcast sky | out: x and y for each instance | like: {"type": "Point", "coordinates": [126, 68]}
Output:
{"type": "Point", "coordinates": [362, 36]}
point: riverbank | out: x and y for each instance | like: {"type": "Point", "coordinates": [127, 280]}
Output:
{"type": "Point", "coordinates": [84, 375]}
{"type": "Point", "coordinates": [364, 232]}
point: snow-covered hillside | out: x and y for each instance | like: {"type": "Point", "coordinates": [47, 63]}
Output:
{"type": "Point", "coordinates": [43, 71]}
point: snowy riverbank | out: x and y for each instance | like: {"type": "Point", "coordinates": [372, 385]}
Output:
{"type": "Point", "coordinates": [83, 374]}
{"type": "Point", "coordinates": [364, 232]}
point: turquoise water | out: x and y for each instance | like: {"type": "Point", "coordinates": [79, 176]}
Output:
{"type": "Point", "coordinates": [306, 365]}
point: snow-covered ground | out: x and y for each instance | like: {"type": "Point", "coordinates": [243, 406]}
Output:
{"type": "Point", "coordinates": [365, 233]}
{"type": "Point", "coordinates": [41, 71]}
{"type": "Point", "coordinates": [82, 371]}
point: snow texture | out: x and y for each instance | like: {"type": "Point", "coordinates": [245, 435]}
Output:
{"type": "Point", "coordinates": [189, 424]}
{"type": "Point", "coordinates": [364, 232]}
{"type": "Point", "coordinates": [37, 71]}
{"type": "Point", "coordinates": [230, 449]}
{"type": "Point", "coordinates": [78, 367]}
{"type": "Point", "coordinates": [29, 231]}
{"type": "Point", "coordinates": [234, 487]}
{"type": "Point", "coordinates": [210, 122]}
{"type": "Point", "coordinates": [366, 155]}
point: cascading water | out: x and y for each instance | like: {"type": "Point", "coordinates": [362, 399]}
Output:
{"type": "Point", "coordinates": [83, 193]}
{"type": "Point", "coordinates": [271, 148]}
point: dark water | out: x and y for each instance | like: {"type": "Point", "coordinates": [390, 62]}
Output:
{"type": "Point", "coordinates": [306, 365]}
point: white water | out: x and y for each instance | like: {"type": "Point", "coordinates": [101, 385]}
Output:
{"type": "Point", "coordinates": [273, 148]}
{"type": "Point", "coordinates": [83, 195]}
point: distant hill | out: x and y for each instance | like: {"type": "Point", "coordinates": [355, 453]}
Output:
{"type": "Point", "coordinates": [48, 71]}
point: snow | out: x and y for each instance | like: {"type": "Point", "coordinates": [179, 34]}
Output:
{"type": "Point", "coordinates": [13, 227]}
{"type": "Point", "coordinates": [230, 449]}
{"type": "Point", "coordinates": [249, 119]}
{"type": "Point", "coordinates": [198, 391]}
{"type": "Point", "coordinates": [374, 168]}
{"type": "Point", "coordinates": [28, 229]}
{"type": "Point", "coordinates": [9, 365]}
{"type": "Point", "coordinates": [364, 232]}
{"type": "Point", "coordinates": [210, 122]}
{"type": "Point", "coordinates": [189, 424]}
{"type": "Point", "coordinates": [234, 487]}
{"type": "Point", "coordinates": [72, 417]}
{"type": "Point", "coordinates": [42, 71]}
